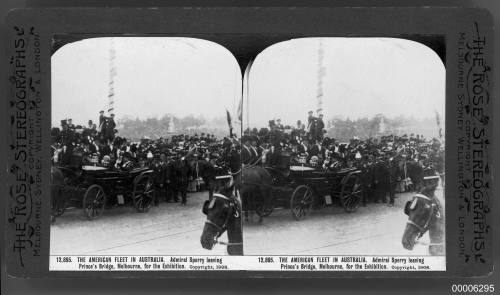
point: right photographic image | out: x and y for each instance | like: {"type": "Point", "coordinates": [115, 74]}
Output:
{"type": "Point", "coordinates": [343, 149]}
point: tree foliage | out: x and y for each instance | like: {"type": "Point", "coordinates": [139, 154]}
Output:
{"type": "Point", "coordinates": [344, 129]}
{"type": "Point", "coordinates": [135, 128]}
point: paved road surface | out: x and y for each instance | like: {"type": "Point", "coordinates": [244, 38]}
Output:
{"type": "Point", "coordinates": [376, 229]}
{"type": "Point", "coordinates": [170, 229]}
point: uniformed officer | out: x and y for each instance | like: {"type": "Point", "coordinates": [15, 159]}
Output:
{"type": "Point", "coordinates": [427, 185]}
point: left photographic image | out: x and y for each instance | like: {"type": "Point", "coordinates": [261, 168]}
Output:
{"type": "Point", "coordinates": [144, 142]}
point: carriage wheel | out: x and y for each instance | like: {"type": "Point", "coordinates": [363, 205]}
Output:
{"type": "Point", "coordinates": [94, 201]}
{"type": "Point", "coordinates": [143, 193]}
{"type": "Point", "coordinates": [301, 202]}
{"type": "Point", "coordinates": [351, 193]}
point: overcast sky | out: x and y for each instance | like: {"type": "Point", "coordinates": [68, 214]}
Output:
{"type": "Point", "coordinates": [364, 77]}
{"type": "Point", "coordinates": [155, 76]}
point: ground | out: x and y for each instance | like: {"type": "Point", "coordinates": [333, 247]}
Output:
{"type": "Point", "coordinates": [376, 229]}
{"type": "Point", "coordinates": [169, 229]}
{"type": "Point", "coordinates": [172, 229]}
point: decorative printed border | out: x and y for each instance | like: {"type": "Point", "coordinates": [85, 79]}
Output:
{"type": "Point", "coordinates": [468, 38]}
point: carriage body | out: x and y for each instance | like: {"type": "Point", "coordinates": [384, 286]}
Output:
{"type": "Point", "coordinates": [93, 188]}
{"type": "Point", "coordinates": [302, 188]}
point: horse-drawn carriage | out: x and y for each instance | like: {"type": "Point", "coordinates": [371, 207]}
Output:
{"type": "Point", "coordinates": [92, 188]}
{"type": "Point", "coordinates": [302, 188]}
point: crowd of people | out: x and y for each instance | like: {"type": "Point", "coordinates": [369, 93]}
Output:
{"type": "Point", "coordinates": [383, 159]}
{"type": "Point", "coordinates": [169, 158]}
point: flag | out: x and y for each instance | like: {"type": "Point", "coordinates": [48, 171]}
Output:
{"type": "Point", "coordinates": [228, 115]}
{"type": "Point", "coordinates": [239, 112]}
{"type": "Point", "coordinates": [229, 124]}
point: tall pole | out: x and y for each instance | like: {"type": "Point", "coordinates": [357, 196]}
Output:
{"type": "Point", "coordinates": [246, 95]}
{"type": "Point", "coordinates": [112, 75]}
{"type": "Point", "coordinates": [321, 75]}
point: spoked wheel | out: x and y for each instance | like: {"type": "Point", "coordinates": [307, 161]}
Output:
{"type": "Point", "coordinates": [351, 193]}
{"type": "Point", "coordinates": [94, 202]}
{"type": "Point", "coordinates": [301, 201]}
{"type": "Point", "coordinates": [143, 193]}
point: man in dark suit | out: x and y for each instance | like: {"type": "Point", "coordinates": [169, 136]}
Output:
{"type": "Point", "coordinates": [183, 174]}
{"type": "Point", "coordinates": [159, 167]}
{"type": "Point", "coordinates": [102, 119]}
{"type": "Point", "coordinates": [256, 148]}
{"type": "Point", "coordinates": [319, 128]}
{"type": "Point", "coordinates": [311, 126]}
{"type": "Point", "coordinates": [71, 126]}
{"type": "Point", "coordinates": [171, 180]}
{"type": "Point", "coordinates": [246, 153]}
{"type": "Point", "coordinates": [110, 128]}
{"type": "Point", "coordinates": [310, 119]}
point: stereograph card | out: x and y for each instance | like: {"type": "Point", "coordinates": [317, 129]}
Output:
{"type": "Point", "coordinates": [280, 142]}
